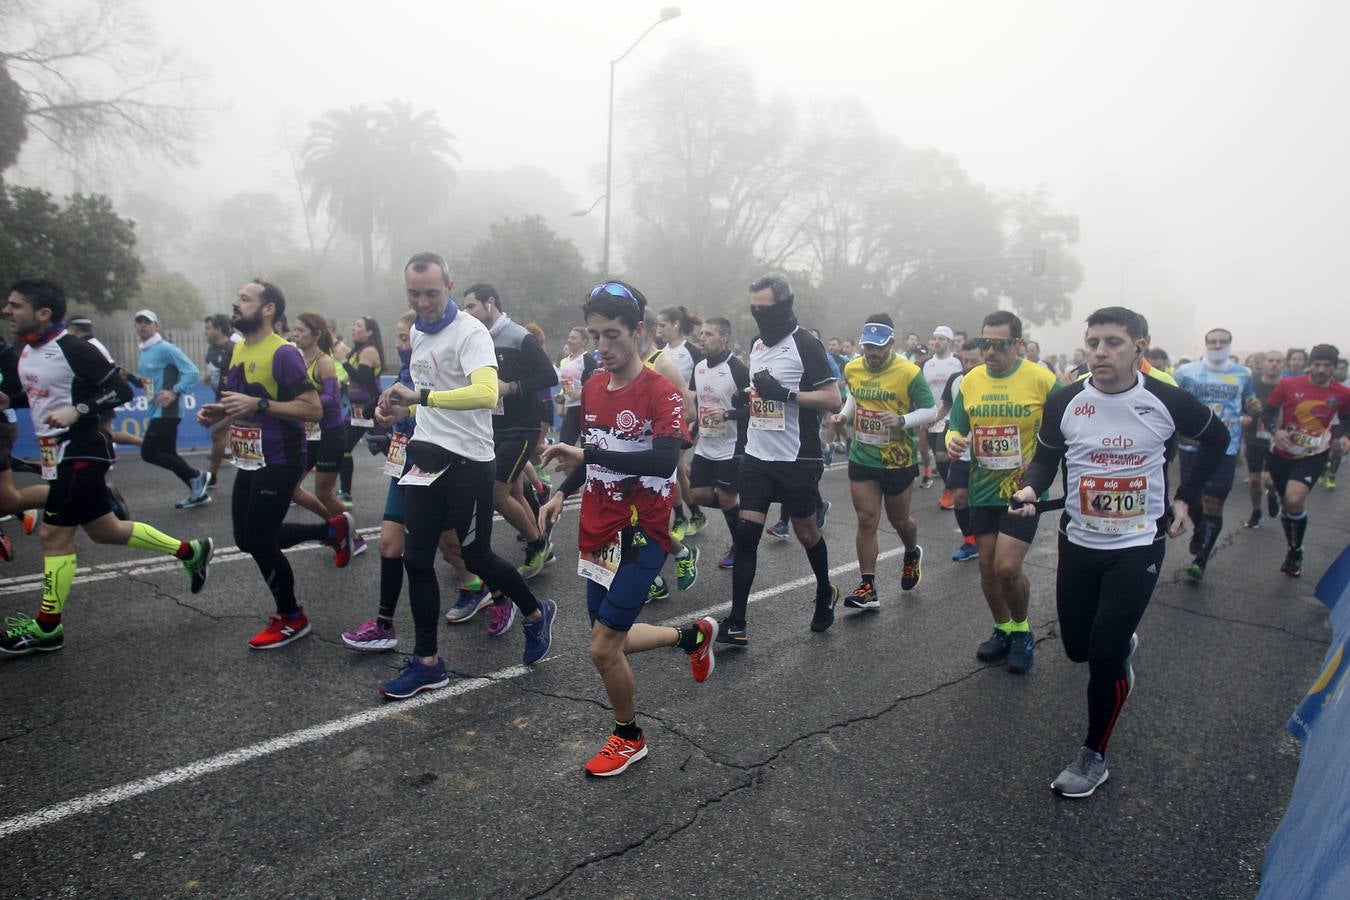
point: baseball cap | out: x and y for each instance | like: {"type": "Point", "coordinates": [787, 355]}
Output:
{"type": "Point", "coordinates": [921, 348]}
{"type": "Point", "coordinates": [944, 331]}
{"type": "Point", "coordinates": [146, 314]}
{"type": "Point", "coordinates": [877, 334]}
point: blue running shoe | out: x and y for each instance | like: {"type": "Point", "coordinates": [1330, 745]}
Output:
{"type": "Point", "coordinates": [966, 551]}
{"type": "Point", "coordinates": [729, 560]}
{"type": "Point", "coordinates": [539, 633]}
{"type": "Point", "coordinates": [779, 531]}
{"type": "Point", "coordinates": [415, 677]}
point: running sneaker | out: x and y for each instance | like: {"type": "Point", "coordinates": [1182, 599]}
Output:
{"type": "Point", "coordinates": [6, 546]}
{"type": "Point", "coordinates": [864, 596]}
{"type": "Point", "coordinates": [995, 649]}
{"type": "Point", "coordinates": [728, 560]}
{"type": "Point", "coordinates": [1331, 481]}
{"type": "Point", "coordinates": [679, 528]}
{"type": "Point", "coordinates": [701, 660]}
{"type": "Point", "coordinates": [912, 573]}
{"type": "Point", "coordinates": [733, 633]}
{"type": "Point", "coordinates": [501, 617]}
{"type": "Point", "coordinates": [415, 677]}
{"type": "Point", "coordinates": [696, 522]}
{"type": "Point", "coordinates": [1196, 572]}
{"type": "Point", "coordinates": [823, 617]}
{"type": "Point", "coordinates": [199, 566]}
{"type": "Point", "coordinates": [779, 531]}
{"type": "Point", "coordinates": [536, 561]}
{"type": "Point", "coordinates": [358, 545]}
{"type": "Point", "coordinates": [119, 504]}
{"type": "Point", "coordinates": [343, 539]}
{"type": "Point", "coordinates": [1083, 776]}
{"type": "Point", "coordinates": [829, 455]}
{"type": "Point", "coordinates": [1272, 503]}
{"type": "Point", "coordinates": [280, 631]}
{"type": "Point", "coordinates": [823, 513]}
{"type": "Point", "coordinates": [23, 635]}
{"type": "Point", "coordinates": [1021, 652]}
{"type": "Point", "coordinates": [210, 481]}
{"type": "Point", "coordinates": [345, 498]}
{"type": "Point", "coordinates": [1255, 521]}
{"type": "Point", "coordinates": [966, 551]}
{"type": "Point", "coordinates": [30, 520]}
{"type": "Point", "coordinates": [947, 500]}
{"type": "Point", "coordinates": [371, 636]}
{"type": "Point", "coordinates": [927, 481]}
{"type": "Point", "coordinates": [659, 589]}
{"type": "Point", "coordinates": [468, 604]}
{"type": "Point", "coordinates": [686, 570]}
{"type": "Point", "coordinates": [616, 756]}
{"type": "Point", "coordinates": [1293, 563]}
{"type": "Point", "coordinates": [201, 482]}
{"type": "Point", "coordinates": [539, 633]}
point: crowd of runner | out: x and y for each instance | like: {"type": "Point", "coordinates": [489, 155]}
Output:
{"type": "Point", "coordinates": [661, 418]}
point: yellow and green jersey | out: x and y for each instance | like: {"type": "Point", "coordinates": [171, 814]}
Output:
{"type": "Point", "coordinates": [899, 388]}
{"type": "Point", "coordinates": [1000, 414]}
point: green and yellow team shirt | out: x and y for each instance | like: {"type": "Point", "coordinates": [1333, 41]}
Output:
{"type": "Point", "coordinates": [1000, 414]}
{"type": "Point", "coordinates": [899, 388]}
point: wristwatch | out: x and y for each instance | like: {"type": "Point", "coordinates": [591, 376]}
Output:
{"type": "Point", "coordinates": [792, 396]}
{"type": "Point", "coordinates": [82, 408]}
{"type": "Point", "coordinates": [263, 403]}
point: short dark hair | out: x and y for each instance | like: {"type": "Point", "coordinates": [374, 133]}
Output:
{"type": "Point", "coordinates": [1224, 330]}
{"type": "Point", "coordinates": [418, 262]}
{"type": "Point", "coordinates": [272, 294]}
{"type": "Point", "coordinates": [722, 325]}
{"type": "Point", "coordinates": [1143, 325]}
{"type": "Point", "coordinates": [881, 318]}
{"type": "Point", "coordinates": [42, 294]}
{"type": "Point", "coordinates": [1157, 353]}
{"type": "Point", "coordinates": [220, 322]}
{"type": "Point", "coordinates": [483, 292]}
{"type": "Point", "coordinates": [781, 287]}
{"type": "Point", "coordinates": [608, 306]}
{"type": "Point", "coordinates": [1326, 352]}
{"type": "Point", "coordinates": [1131, 321]}
{"type": "Point", "coordinates": [1000, 317]}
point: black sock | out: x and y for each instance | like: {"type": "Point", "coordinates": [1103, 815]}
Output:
{"type": "Point", "coordinates": [1334, 466]}
{"type": "Point", "coordinates": [869, 578]}
{"type": "Point", "coordinates": [688, 637]}
{"type": "Point", "coordinates": [679, 511]}
{"type": "Point", "coordinates": [345, 474]}
{"type": "Point", "coordinates": [819, 558]}
{"type": "Point", "coordinates": [1210, 529]}
{"type": "Point", "coordinates": [536, 545]}
{"type": "Point", "coordinates": [732, 516]}
{"type": "Point", "coordinates": [391, 584]}
{"type": "Point", "coordinates": [531, 498]}
{"type": "Point", "coordinates": [1294, 527]}
{"type": "Point", "coordinates": [963, 520]}
{"type": "Point", "coordinates": [627, 730]}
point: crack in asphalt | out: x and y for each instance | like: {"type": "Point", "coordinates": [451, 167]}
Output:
{"type": "Point", "coordinates": [1266, 625]}
{"type": "Point", "coordinates": [162, 594]}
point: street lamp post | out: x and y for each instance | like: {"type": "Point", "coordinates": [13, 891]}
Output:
{"type": "Point", "coordinates": [670, 12]}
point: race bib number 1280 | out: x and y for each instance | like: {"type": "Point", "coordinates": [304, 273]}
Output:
{"type": "Point", "coordinates": [766, 415]}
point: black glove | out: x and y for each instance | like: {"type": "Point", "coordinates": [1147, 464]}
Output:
{"type": "Point", "coordinates": [768, 387]}
{"type": "Point", "coordinates": [377, 444]}
{"type": "Point", "coordinates": [740, 400]}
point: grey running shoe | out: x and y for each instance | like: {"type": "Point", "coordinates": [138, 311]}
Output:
{"type": "Point", "coordinates": [1021, 652]}
{"type": "Point", "coordinates": [1083, 776]}
{"type": "Point", "coordinates": [995, 649]}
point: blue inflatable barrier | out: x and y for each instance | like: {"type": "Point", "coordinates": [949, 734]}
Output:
{"type": "Point", "coordinates": [1310, 852]}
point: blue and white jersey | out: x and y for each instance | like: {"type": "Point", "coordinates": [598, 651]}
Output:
{"type": "Point", "coordinates": [1224, 391]}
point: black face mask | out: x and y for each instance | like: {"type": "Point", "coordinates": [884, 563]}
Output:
{"type": "Point", "coordinates": [775, 321]}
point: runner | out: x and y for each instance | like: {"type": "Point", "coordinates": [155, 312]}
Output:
{"type": "Point", "coordinates": [1226, 388]}
{"type": "Point", "coordinates": [575, 369]}
{"type": "Point", "coordinates": [959, 467]}
{"type": "Point", "coordinates": [674, 325]}
{"type": "Point", "coordinates": [448, 473]}
{"type": "Point", "coordinates": [888, 395]}
{"type": "Point", "coordinates": [1299, 414]}
{"type": "Point", "coordinates": [996, 415]}
{"type": "Point", "coordinates": [267, 401]}
{"type": "Point", "coordinates": [363, 367]}
{"type": "Point", "coordinates": [1115, 433]}
{"type": "Point", "coordinates": [791, 386]}
{"type": "Point", "coordinates": [1256, 441]}
{"type": "Point", "coordinates": [13, 501]}
{"type": "Point", "coordinates": [67, 383]}
{"type": "Point", "coordinates": [940, 367]}
{"type": "Point", "coordinates": [713, 475]}
{"type": "Point", "coordinates": [837, 435]}
{"type": "Point", "coordinates": [634, 432]}
{"type": "Point", "coordinates": [1328, 479]}
{"type": "Point", "coordinates": [524, 370]}
{"type": "Point", "coordinates": [220, 341]}
{"type": "Point", "coordinates": [167, 374]}
{"type": "Point", "coordinates": [1296, 363]}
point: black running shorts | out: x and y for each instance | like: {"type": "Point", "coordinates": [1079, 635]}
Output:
{"type": "Point", "coordinates": [1306, 469]}
{"type": "Point", "coordinates": [325, 454]}
{"type": "Point", "coordinates": [513, 452]}
{"type": "Point", "coordinates": [997, 520]}
{"type": "Point", "coordinates": [722, 474]}
{"type": "Point", "coordinates": [894, 482]}
{"type": "Point", "coordinates": [795, 484]}
{"type": "Point", "coordinates": [78, 495]}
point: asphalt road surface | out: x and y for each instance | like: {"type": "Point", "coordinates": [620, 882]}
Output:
{"type": "Point", "coordinates": [156, 755]}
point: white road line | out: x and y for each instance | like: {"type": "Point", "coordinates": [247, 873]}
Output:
{"type": "Point", "coordinates": [50, 815]}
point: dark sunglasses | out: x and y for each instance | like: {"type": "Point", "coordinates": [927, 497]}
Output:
{"type": "Point", "coordinates": [1003, 344]}
{"type": "Point", "coordinates": [614, 289]}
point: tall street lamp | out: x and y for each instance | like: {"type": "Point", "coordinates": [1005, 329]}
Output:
{"type": "Point", "coordinates": [670, 12]}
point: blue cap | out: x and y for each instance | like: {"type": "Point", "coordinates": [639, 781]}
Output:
{"type": "Point", "coordinates": [877, 334]}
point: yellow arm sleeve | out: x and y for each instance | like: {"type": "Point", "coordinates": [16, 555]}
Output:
{"type": "Point", "coordinates": [481, 393]}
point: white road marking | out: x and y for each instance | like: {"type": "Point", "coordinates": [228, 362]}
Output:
{"type": "Point", "coordinates": [50, 815]}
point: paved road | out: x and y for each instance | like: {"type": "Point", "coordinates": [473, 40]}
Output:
{"type": "Point", "coordinates": [156, 755]}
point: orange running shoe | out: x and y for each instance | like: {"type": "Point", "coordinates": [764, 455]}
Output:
{"type": "Point", "coordinates": [947, 500]}
{"type": "Point", "coordinates": [616, 756]}
{"type": "Point", "coordinates": [30, 520]}
{"type": "Point", "coordinates": [701, 661]}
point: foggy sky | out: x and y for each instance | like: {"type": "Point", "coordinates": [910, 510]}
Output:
{"type": "Point", "coordinates": [1202, 145]}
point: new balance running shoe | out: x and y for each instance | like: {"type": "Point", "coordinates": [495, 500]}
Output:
{"type": "Point", "coordinates": [616, 756]}
{"type": "Point", "coordinates": [996, 648]}
{"type": "Point", "coordinates": [823, 617]}
{"type": "Point", "coordinates": [371, 635]}
{"type": "Point", "coordinates": [343, 539]}
{"type": "Point", "coordinates": [1083, 776]}
{"type": "Point", "coordinates": [701, 659]}
{"type": "Point", "coordinates": [539, 633]}
{"type": "Point", "coordinates": [686, 569]}
{"type": "Point", "coordinates": [468, 604]}
{"type": "Point", "coordinates": [199, 566]}
{"type": "Point", "coordinates": [732, 633]}
{"type": "Point", "coordinates": [659, 589]}
{"type": "Point", "coordinates": [23, 635]}
{"type": "Point", "coordinates": [912, 573]}
{"type": "Point", "coordinates": [1021, 652]}
{"type": "Point", "coordinates": [502, 617]}
{"type": "Point", "coordinates": [415, 677]}
{"type": "Point", "coordinates": [280, 631]}
{"type": "Point", "coordinates": [864, 596]}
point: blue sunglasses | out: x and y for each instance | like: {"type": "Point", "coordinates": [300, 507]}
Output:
{"type": "Point", "coordinates": [615, 289]}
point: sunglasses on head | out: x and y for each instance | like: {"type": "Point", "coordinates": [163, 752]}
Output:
{"type": "Point", "coordinates": [1003, 344]}
{"type": "Point", "coordinates": [614, 289]}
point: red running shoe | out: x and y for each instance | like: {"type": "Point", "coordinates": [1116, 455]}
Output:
{"type": "Point", "coordinates": [701, 661]}
{"type": "Point", "coordinates": [616, 756]}
{"type": "Point", "coordinates": [280, 631]}
{"type": "Point", "coordinates": [344, 538]}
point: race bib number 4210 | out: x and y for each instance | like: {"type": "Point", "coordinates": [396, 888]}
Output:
{"type": "Point", "coordinates": [1112, 505]}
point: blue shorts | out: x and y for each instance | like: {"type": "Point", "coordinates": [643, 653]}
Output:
{"type": "Point", "coordinates": [617, 606]}
{"type": "Point", "coordinates": [394, 502]}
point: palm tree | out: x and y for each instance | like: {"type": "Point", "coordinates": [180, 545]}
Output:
{"type": "Point", "coordinates": [417, 150]}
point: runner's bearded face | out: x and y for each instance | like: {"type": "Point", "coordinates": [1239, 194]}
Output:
{"type": "Point", "coordinates": [428, 293]}
{"type": "Point", "coordinates": [618, 344]}
{"type": "Point", "coordinates": [970, 358]}
{"type": "Point", "coordinates": [247, 311]}
{"type": "Point", "coordinates": [21, 314]}
{"type": "Point", "coordinates": [1319, 371]}
{"type": "Point", "coordinates": [711, 340]}
{"type": "Point", "coordinates": [875, 356]}
{"type": "Point", "coordinates": [998, 348]}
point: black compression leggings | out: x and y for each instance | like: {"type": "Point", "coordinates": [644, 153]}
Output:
{"type": "Point", "coordinates": [1101, 595]}
{"type": "Point", "coordinates": [353, 436]}
{"type": "Point", "coordinates": [159, 447]}
{"type": "Point", "coordinates": [258, 506]}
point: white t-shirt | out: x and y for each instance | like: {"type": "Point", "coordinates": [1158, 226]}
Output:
{"type": "Point", "coordinates": [570, 370]}
{"type": "Point", "coordinates": [936, 372]}
{"type": "Point", "coordinates": [683, 359]}
{"type": "Point", "coordinates": [443, 361]}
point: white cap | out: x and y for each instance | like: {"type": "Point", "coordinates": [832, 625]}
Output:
{"type": "Point", "coordinates": [944, 331]}
{"type": "Point", "coordinates": [146, 314]}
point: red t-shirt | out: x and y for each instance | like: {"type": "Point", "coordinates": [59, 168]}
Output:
{"type": "Point", "coordinates": [627, 420]}
{"type": "Point", "coordinates": [1306, 411]}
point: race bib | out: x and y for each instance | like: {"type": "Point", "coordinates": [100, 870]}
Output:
{"type": "Point", "coordinates": [998, 446]}
{"type": "Point", "coordinates": [49, 451]}
{"type": "Point", "coordinates": [869, 429]}
{"type": "Point", "coordinates": [571, 389]}
{"type": "Point", "coordinates": [1113, 505]}
{"type": "Point", "coordinates": [397, 455]}
{"type": "Point", "coordinates": [312, 431]}
{"type": "Point", "coordinates": [1302, 443]}
{"type": "Point", "coordinates": [601, 565]}
{"type": "Point", "coordinates": [712, 421]}
{"type": "Point", "coordinates": [246, 446]}
{"type": "Point", "coordinates": [358, 422]}
{"type": "Point", "coordinates": [766, 415]}
{"type": "Point", "coordinates": [415, 477]}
